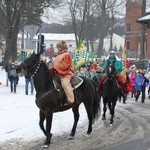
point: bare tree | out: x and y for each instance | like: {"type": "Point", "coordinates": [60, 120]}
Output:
{"type": "Point", "coordinates": [78, 13]}
{"type": "Point", "coordinates": [90, 16]}
{"type": "Point", "coordinates": [103, 9]}
{"type": "Point", "coordinates": [11, 12]}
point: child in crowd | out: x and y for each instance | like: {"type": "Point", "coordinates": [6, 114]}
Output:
{"type": "Point", "coordinates": [132, 76]}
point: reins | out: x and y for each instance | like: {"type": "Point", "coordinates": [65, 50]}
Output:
{"type": "Point", "coordinates": [36, 66]}
{"type": "Point", "coordinates": [44, 95]}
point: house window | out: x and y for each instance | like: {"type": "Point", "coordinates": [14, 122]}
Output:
{"type": "Point", "coordinates": [128, 45]}
{"type": "Point", "coordinates": [70, 45]}
{"type": "Point", "coordinates": [129, 27]}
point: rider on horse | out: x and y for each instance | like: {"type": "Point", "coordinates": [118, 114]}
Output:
{"type": "Point", "coordinates": [113, 59]}
{"type": "Point", "coordinates": [63, 66]}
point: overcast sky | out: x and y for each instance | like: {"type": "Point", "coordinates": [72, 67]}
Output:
{"type": "Point", "coordinates": [60, 15]}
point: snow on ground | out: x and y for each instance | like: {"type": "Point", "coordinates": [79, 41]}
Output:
{"type": "Point", "coordinates": [19, 114]}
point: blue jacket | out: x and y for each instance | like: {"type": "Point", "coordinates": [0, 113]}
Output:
{"type": "Point", "coordinates": [141, 82]}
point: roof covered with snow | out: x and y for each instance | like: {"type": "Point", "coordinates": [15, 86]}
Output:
{"type": "Point", "coordinates": [116, 40]}
{"type": "Point", "coordinates": [54, 36]}
{"type": "Point", "coordinates": [148, 10]}
{"type": "Point", "coordinates": [144, 19]}
{"type": "Point", "coordinates": [58, 36]}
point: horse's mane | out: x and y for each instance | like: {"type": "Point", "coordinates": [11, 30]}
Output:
{"type": "Point", "coordinates": [46, 69]}
{"type": "Point", "coordinates": [44, 65]}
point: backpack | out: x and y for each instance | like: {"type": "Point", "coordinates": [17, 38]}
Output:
{"type": "Point", "coordinates": [12, 72]}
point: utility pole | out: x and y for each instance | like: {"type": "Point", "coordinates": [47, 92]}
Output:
{"type": "Point", "coordinates": [143, 30]}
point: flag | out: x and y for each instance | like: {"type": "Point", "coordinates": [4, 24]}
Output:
{"type": "Point", "coordinates": [124, 60]}
{"type": "Point", "coordinates": [81, 56]}
{"type": "Point", "coordinates": [82, 46]}
{"type": "Point", "coordinates": [124, 57]}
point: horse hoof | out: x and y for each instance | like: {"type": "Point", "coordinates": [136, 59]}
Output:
{"type": "Point", "coordinates": [71, 137]}
{"type": "Point", "coordinates": [87, 135]}
{"type": "Point", "coordinates": [110, 124]}
{"type": "Point", "coordinates": [103, 118]}
{"type": "Point", "coordinates": [45, 146]}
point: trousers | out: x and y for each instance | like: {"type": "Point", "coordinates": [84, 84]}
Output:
{"type": "Point", "coordinates": [120, 82]}
{"type": "Point", "coordinates": [68, 89]}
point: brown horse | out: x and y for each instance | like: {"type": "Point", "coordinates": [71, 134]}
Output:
{"type": "Point", "coordinates": [49, 101]}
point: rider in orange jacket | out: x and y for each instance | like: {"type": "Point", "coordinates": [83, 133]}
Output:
{"type": "Point", "coordinates": [64, 67]}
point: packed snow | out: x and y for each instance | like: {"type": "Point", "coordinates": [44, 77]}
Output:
{"type": "Point", "coordinates": [19, 115]}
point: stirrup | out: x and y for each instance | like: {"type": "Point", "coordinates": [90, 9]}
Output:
{"type": "Point", "coordinates": [67, 104]}
{"type": "Point", "coordinates": [58, 90]}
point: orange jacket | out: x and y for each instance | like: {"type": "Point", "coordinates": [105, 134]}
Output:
{"type": "Point", "coordinates": [63, 63]}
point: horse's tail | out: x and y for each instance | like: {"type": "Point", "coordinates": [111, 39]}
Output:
{"type": "Point", "coordinates": [96, 109]}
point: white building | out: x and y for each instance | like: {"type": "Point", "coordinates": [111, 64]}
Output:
{"type": "Point", "coordinates": [117, 41]}
{"type": "Point", "coordinates": [50, 39]}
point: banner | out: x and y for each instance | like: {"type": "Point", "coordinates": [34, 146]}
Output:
{"type": "Point", "coordinates": [124, 60]}
{"type": "Point", "coordinates": [81, 56]}
{"type": "Point", "coordinates": [124, 57]}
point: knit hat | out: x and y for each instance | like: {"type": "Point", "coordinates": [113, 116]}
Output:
{"type": "Point", "coordinates": [62, 44]}
{"type": "Point", "coordinates": [13, 63]}
{"type": "Point", "coordinates": [142, 72]}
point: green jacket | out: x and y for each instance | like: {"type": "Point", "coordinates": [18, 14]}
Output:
{"type": "Point", "coordinates": [118, 64]}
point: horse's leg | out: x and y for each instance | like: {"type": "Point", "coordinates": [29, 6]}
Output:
{"type": "Point", "coordinates": [41, 122]}
{"type": "Point", "coordinates": [109, 106]}
{"type": "Point", "coordinates": [48, 129]}
{"type": "Point", "coordinates": [112, 112]}
{"type": "Point", "coordinates": [104, 109]}
{"type": "Point", "coordinates": [124, 98]}
{"type": "Point", "coordinates": [76, 118]}
{"type": "Point", "coordinates": [119, 96]}
{"type": "Point", "coordinates": [89, 114]}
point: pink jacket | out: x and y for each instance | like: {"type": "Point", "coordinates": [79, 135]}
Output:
{"type": "Point", "coordinates": [132, 77]}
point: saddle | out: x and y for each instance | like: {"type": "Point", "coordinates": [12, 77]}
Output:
{"type": "Point", "coordinates": [75, 82]}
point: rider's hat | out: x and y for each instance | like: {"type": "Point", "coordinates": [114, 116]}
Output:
{"type": "Point", "coordinates": [112, 52]}
{"type": "Point", "coordinates": [62, 44]}
{"type": "Point", "coordinates": [142, 71]}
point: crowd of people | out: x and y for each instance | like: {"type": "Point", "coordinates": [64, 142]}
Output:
{"type": "Point", "coordinates": [134, 82]}
{"type": "Point", "coordinates": [13, 78]}
{"type": "Point", "coordinates": [137, 79]}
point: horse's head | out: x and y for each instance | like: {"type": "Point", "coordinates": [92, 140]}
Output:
{"type": "Point", "coordinates": [30, 65]}
{"type": "Point", "coordinates": [111, 71]}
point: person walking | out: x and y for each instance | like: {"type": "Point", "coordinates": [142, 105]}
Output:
{"type": "Point", "coordinates": [141, 83]}
{"type": "Point", "coordinates": [29, 80]}
{"type": "Point", "coordinates": [13, 77]}
{"type": "Point", "coordinates": [132, 76]}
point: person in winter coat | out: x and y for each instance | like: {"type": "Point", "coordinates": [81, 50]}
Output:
{"type": "Point", "coordinates": [64, 67]}
{"type": "Point", "coordinates": [13, 77]}
{"type": "Point", "coordinates": [28, 79]}
{"type": "Point", "coordinates": [132, 76]}
{"type": "Point", "coordinates": [141, 82]}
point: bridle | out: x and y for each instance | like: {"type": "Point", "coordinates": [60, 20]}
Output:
{"type": "Point", "coordinates": [36, 67]}
{"type": "Point", "coordinates": [110, 71]}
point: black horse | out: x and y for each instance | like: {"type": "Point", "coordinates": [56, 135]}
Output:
{"type": "Point", "coordinates": [110, 91]}
{"type": "Point", "coordinates": [48, 98]}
